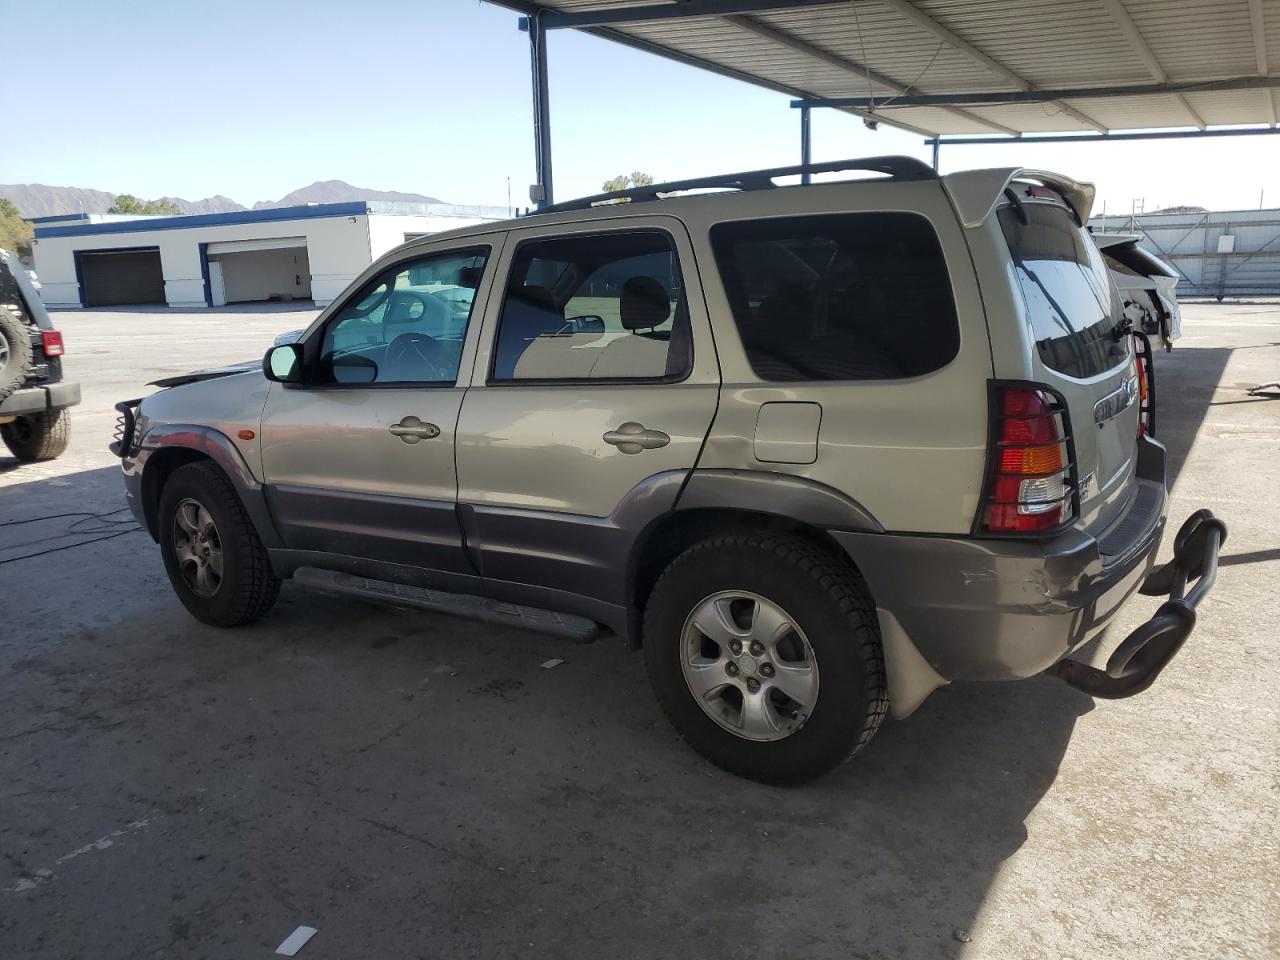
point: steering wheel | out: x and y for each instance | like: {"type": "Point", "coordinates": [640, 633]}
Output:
{"type": "Point", "coordinates": [412, 357]}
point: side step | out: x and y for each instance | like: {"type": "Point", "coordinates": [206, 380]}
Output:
{"type": "Point", "coordinates": [578, 629]}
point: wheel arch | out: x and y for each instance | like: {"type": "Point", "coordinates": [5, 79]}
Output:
{"type": "Point", "coordinates": [716, 500]}
{"type": "Point", "coordinates": [171, 446]}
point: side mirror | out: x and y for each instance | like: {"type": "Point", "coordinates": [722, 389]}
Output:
{"type": "Point", "coordinates": [283, 363]}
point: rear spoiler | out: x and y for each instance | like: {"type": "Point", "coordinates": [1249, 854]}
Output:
{"type": "Point", "coordinates": [975, 193]}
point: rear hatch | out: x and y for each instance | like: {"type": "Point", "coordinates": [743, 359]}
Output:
{"type": "Point", "coordinates": [1082, 349]}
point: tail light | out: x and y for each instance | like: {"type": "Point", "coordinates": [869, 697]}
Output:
{"type": "Point", "coordinates": [1142, 395]}
{"type": "Point", "coordinates": [51, 341]}
{"type": "Point", "coordinates": [1146, 385]}
{"type": "Point", "coordinates": [1029, 487]}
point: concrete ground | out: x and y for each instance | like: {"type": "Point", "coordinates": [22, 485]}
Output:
{"type": "Point", "coordinates": [417, 786]}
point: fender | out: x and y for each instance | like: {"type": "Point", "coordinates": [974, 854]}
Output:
{"type": "Point", "coordinates": [217, 447]}
{"type": "Point", "coordinates": [780, 494]}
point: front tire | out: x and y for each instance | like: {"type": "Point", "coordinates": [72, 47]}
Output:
{"type": "Point", "coordinates": [38, 436]}
{"type": "Point", "coordinates": [217, 565]}
{"type": "Point", "coordinates": [764, 651]}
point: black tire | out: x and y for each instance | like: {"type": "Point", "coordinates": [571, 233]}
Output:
{"type": "Point", "coordinates": [15, 352]}
{"type": "Point", "coordinates": [38, 436]}
{"type": "Point", "coordinates": [248, 586]}
{"type": "Point", "coordinates": [826, 599]}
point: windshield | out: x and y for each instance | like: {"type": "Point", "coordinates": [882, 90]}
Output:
{"type": "Point", "coordinates": [1075, 312]}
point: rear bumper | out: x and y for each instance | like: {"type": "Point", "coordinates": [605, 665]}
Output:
{"type": "Point", "coordinates": [54, 396]}
{"type": "Point", "coordinates": [973, 609]}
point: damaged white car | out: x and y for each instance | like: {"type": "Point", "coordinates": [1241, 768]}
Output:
{"type": "Point", "coordinates": [1147, 286]}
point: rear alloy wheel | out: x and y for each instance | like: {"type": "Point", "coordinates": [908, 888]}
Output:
{"type": "Point", "coordinates": [764, 651]}
{"type": "Point", "coordinates": [749, 666]}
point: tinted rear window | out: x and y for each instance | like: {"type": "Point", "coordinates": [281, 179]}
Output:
{"type": "Point", "coordinates": [862, 296]}
{"type": "Point", "coordinates": [1072, 304]}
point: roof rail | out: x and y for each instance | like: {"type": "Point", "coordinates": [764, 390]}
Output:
{"type": "Point", "coordinates": [899, 168]}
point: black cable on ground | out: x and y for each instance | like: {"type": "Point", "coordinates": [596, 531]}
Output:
{"type": "Point", "coordinates": [68, 546]}
{"type": "Point", "coordinates": [105, 523]}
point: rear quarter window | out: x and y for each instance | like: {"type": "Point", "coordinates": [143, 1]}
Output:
{"type": "Point", "coordinates": [859, 296]}
{"type": "Point", "coordinates": [1074, 309]}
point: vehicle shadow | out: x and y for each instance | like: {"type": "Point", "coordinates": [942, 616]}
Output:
{"type": "Point", "coordinates": [1187, 380]}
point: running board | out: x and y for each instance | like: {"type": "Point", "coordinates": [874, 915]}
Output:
{"type": "Point", "coordinates": [576, 628]}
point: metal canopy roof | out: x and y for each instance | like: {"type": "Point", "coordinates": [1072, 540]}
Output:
{"type": "Point", "coordinates": [985, 67]}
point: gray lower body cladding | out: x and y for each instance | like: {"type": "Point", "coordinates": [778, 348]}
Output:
{"type": "Point", "coordinates": [1004, 609]}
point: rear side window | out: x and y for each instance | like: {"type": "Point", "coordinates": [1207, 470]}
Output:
{"type": "Point", "coordinates": [1074, 309]}
{"type": "Point", "coordinates": [594, 307]}
{"type": "Point", "coordinates": [859, 296]}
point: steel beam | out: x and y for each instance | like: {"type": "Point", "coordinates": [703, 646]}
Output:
{"type": "Point", "coordinates": [925, 22]}
{"type": "Point", "coordinates": [781, 37]}
{"type": "Point", "coordinates": [997, 97]}
{"type": "Point", "coordinates": [1105, 137]}
{"type": "Point", "coordinates": [1259, 28]}
{"type": "Point", "coordinates": [1140, 46]}
{"type": "Point", "coordinates": [649, 13]}
{"type": "Point", "coordinates": [806, 144]}
{"type": "Point", "coordinates": [541, 193]}
{"type": "Point", "coordinates": [530, 9]}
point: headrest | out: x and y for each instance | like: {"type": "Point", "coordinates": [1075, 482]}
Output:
{"type": "Point", "coordinates": [644, 304]}
{"type": "Point", "coordinates": [535, 297]}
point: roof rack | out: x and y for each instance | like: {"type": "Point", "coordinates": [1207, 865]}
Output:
{"type": "Point", "coordinates": [899, 168]}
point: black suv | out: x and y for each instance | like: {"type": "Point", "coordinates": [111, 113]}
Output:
{"type": "Point", "coordinates": [35, 423]}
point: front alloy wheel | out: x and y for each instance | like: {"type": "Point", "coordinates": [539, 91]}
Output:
{"type": "Point", "coordinates": [749, 665]}
{"type": "Point", "coordinates": [197, 548]}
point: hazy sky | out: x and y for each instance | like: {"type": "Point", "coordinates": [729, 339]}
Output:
{"type": "Point", "coordinates": [254, 99]}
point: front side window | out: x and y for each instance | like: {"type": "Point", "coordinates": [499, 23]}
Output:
{"type": "Point", "coordinates": [1074, 309]}
{"type": "Point", "coordinates": [406, 325]}
{"type": "Point", "coordinates": [594, 307]}
{"type": "Point", "coordinates": [859, 296]}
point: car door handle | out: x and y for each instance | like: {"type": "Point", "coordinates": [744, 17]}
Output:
{"type": "Point", "coordinates": [632, 437]}
{"type": "Point", "coordinates": [411, 430]}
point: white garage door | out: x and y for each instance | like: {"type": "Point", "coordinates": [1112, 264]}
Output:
{"type": "Point", "coordinates": [245, 271]}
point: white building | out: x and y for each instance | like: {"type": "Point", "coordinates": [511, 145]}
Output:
{"type": "Point", "coordinates": [285, 253]}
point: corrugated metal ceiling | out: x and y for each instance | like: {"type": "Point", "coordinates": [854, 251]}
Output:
{"type": "Point", "coordinates": [889, 48]}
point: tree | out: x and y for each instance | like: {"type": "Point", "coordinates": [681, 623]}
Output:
{"type": "Point", "coordinates": [623, 182]}
{"type": "Point", "coordinates": [128, 203]}
{"type": "Point", "coordinates": [15, 233]}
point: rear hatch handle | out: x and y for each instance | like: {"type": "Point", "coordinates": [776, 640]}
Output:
{"type": "Point", "coordinates": [1142, 655]}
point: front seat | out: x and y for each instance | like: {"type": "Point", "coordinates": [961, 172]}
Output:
{"type": "Point", "coordinates": [530, 312]}
{"type": "Point", "coordinates": [643, 305]}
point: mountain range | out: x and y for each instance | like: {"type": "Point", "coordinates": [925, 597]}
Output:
{"type": "Point", "coordinates": [39, 200]}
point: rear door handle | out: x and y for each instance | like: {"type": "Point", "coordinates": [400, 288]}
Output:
{"type": "Point", "coordinates": [632, 437]}
{"type": "Point", "coordinates": [411, 430]}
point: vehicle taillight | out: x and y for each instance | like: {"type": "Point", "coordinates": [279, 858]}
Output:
{"type": "Point", "coordinates": [1028, 486]}
{"type": "Point", "coordinates": [1146, 385]}
{"type": "Point", "coordinates": [51, 340]}
{"type": "Point", "coordinates": [1142, 395]}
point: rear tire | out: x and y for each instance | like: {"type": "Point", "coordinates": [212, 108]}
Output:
{"type": "Point", "coordinates": [38, 436]}
{"type": "Point", "coordinates": [217, 565]}
{"type": "Point", "coordinates": [820, 614]}
{"type": "Point", "coordinates": [15, 352]}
